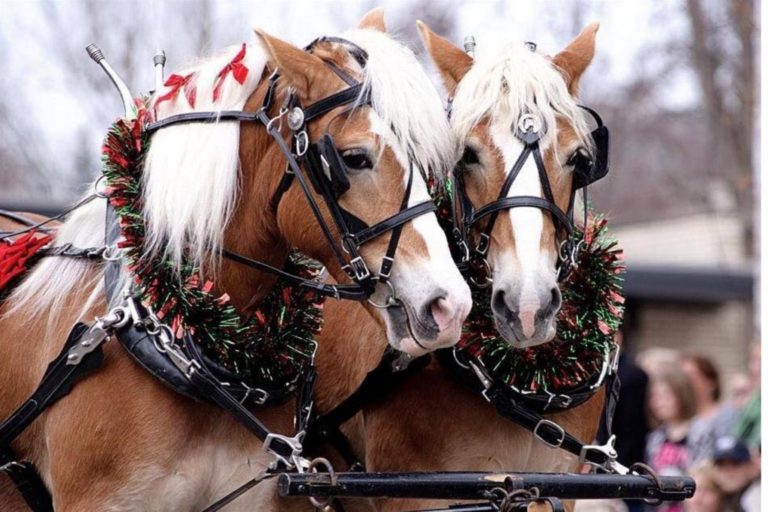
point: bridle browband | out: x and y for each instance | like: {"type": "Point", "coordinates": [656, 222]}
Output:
{"type": "Point", "coordinates": [465, 216]}
{"type": "Point", "coordinates": [326, 174]}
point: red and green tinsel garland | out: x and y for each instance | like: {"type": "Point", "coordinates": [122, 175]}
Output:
{"type": "Point", "coordinates": [267, 349]}
{"type": "Point", "coordinates": [592, 310]}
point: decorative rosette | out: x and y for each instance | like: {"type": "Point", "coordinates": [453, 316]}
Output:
{"type": "Point", "coordinates": [269, 348]}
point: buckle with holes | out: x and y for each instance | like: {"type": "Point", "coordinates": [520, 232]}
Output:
{"type": "Point", "coordinates": [359, 268]}
{"type": "Point", "coordinates": [552, 425]}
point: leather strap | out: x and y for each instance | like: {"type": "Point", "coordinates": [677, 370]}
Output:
{"type": "Point", "coordinates": [57, 382]}
{"type": "Point", "coordinates": [506, 203]}
{"type": "Point", "coordinates": [27, 480]}
{"type": "Point", "coordinates": [344, 97]}
{"type": "Point", "coordinates": [59, 378]}
{"type": "Point", "coordinates": [525, 411]}
{"type": "Point", "coordinates": [339, 291]}
{"type": "Point", "coordinates": [202, 117]}
{"type": "Point", "coordinates": [403, 217]}
{"type": "Point", "coordinates": [546, 430]}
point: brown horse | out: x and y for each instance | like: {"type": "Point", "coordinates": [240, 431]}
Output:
{"type": "Point", "coordinates": [121, 440]}
{"type": "Point", "coordinates": [432, 422]}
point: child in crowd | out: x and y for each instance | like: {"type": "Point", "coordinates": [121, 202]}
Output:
{"type": "Point", "coordinates": [673, 404]}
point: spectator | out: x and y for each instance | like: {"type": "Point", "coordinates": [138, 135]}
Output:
{"type": "Point", "coordinates": [709, 497]}
{"type": "Point", "coordinates": [656, 359]}
{"type": "Point", "coordinates": [673, 404]}
{"type": "Point", "coordinates": [737, 473]}
{"type": "Point", "coordinates": [712, 419]}
{"type": "Point", "coordinates": [748, 425]}
{"type": "Point", "coordinates": [741, 389]}
{"type": "Point", "coordinates": [630, 423]}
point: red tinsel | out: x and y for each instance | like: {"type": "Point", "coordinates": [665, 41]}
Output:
{"type": "Point", "coordinates": [14, 255]}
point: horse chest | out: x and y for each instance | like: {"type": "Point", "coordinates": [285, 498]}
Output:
{"type": "Point", "coordinates": [205, 471]}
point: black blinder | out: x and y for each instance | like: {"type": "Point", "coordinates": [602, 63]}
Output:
{"type": "Point", "coordinates": [327, 167]}
{"type": "Point", "coordinates": [599, 167]}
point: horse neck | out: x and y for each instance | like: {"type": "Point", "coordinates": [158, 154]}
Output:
{"type": "Point", "coordinates": [349, 346]}
{"type": "Point", "coordinates": [253, 230]}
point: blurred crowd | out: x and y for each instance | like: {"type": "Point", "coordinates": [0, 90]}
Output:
{"type": "Point", "coordinates": [679, 417]}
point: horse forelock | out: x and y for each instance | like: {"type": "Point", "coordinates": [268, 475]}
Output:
{"type": "Point", "coordinates": [508, 80]}
{"type": "Point", "coordinates": [405, 99]}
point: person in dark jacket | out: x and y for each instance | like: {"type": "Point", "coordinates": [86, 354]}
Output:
{"type": "Point", "coordinates": [630, 420]}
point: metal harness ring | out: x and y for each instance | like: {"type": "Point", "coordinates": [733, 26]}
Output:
{"type": "Point", "coordinates": [391, 299]}
{"type": "Point", "coordinates": [313, 466]}
{"type": "Point", "coordinates": [112, 253]}
{"type": "Point", "coordinates": [488, 279]}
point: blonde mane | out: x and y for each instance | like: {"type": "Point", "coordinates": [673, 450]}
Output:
{"type": "Point", "coordinates": [508, 80]}
{"type": "Point", "coordinates": [192, 170]}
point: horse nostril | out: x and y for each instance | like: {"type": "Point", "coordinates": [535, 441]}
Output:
{"type": "Point", "coordinates": [500, 306]}
{"type": "Point", "coordinates": [555, 300]}
{"type": "Point", "coordinates": [442, 312]}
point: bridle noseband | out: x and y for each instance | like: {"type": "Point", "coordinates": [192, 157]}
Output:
{"type": "Point", "coordinates": [324, 170]}
{"type": "Point", "coordinates": [529, 131]}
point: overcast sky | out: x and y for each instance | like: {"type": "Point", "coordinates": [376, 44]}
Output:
{"type": "Point", "coordinates": [32, 72]}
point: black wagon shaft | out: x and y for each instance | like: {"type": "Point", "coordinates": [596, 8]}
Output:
{"type": "Point", "coordinates": [479, 485]}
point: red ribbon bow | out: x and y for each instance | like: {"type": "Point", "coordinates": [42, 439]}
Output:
{"type": "Point", "coordinates": [178, 83]}
{"type": "Point", "coordinates": [236, 67]}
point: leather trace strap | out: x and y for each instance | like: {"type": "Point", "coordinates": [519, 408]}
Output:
{"type": "Point", "coordinates": [80, 356]}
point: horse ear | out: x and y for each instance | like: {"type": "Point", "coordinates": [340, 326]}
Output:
{"type": "Point", "coordinates": [451, 61]}
{"type": "Point", "coordinates": [374, 20]}
{"type": "Point", "coordinates": [301, 69]}
{"type": "Point", "coordinates": [574, 59]}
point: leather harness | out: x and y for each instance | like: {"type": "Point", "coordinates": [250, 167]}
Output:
{"type": "Point", "coordinates": [181, 366]}
{"type": "Point", "coordinates": [184, 369]}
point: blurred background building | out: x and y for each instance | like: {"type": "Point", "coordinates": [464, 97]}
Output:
{"type": "Point", "coordinates": [675, 81]}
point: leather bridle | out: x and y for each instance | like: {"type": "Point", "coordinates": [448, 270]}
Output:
{"type": "Point", "coordinates": [529, 131]}
{"type": "Point", "coordinates": [319, 165]}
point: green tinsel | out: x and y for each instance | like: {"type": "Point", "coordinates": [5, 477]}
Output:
{"type": "Point", "coordinates": [270, 348]}
{"type": "Point", "coordinates": [591, 313]}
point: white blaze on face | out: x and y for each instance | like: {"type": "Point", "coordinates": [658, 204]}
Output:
{"type": "Point", "coordinates": [438, 254]}
{"type": "Point", "coordinates": [527, 225]}
{"type": "Point", "coordinates": [418, 281]}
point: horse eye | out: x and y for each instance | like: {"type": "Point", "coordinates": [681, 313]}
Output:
{"type": "Point", "coordinates": [579, 159]}
{"type": "Point", "coordinates": [357, 159]}
{"type": "Point", "coordinates": [469, 157]}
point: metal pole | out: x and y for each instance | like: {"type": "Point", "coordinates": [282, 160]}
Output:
{"type": "Point", "coordinates": [95, 53]}
{"type": "Point", "coordinates": [159, 62]}
{"type": "Point", "coordinates": [476, 485]}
